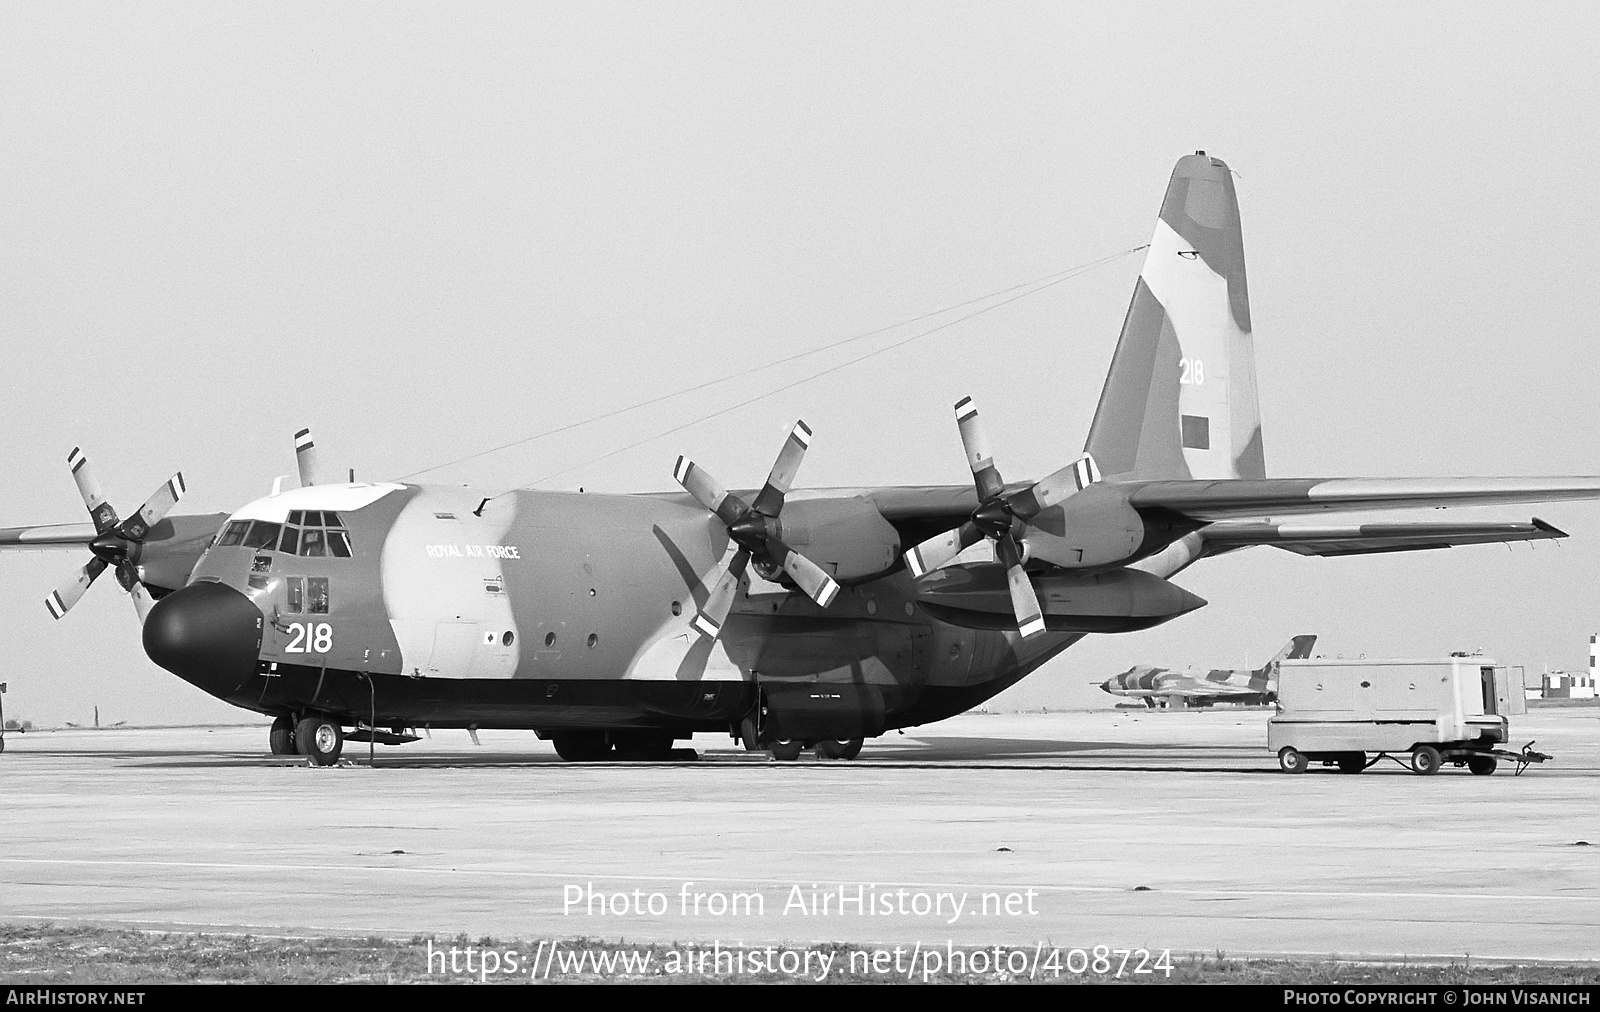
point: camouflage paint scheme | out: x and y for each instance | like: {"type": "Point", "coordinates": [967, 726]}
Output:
{"type": "Point", "coordinates": [567, 611]}
{"type": "Point", "coordinates": [1203, 688]}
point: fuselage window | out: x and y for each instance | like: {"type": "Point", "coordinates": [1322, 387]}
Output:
{"type": "Point", "coordinates": [259, 582]}
{"type": "Point", "coordinates": [290, 542]}
{"type": "Point", "coordinates": [233, 533]}
{"type": "Point", "coordinates": [317, 595]}
{"type": "Point", "coordinates": [338, 544]}
{"type": "Point", "coordinates": [296, 589]}
{"type": "Point", "coordinates": [311, 543]}
{"type": "Point", "coordinates": [262, 535]}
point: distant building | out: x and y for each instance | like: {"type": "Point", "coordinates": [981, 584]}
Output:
{"type": "Point", "coordinates": [1571, 684]}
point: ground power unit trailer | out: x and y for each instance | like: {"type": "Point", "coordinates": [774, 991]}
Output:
{"type": "Point", "coordinates": [1339, 712]}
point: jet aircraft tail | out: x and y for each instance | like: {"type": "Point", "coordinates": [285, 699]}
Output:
{"type": "Point", "coordinates": [1180, 398]}
{"type": "Point", "coordinates": [1263, 679]}
{"type": "Point", "coordinates": [1298, 649]}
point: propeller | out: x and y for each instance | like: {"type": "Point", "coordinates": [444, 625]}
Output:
{"type": "Point", "coordinates": [117, 542]}
{"type": "Point", "coordinates": [305, 457]}
{"type": "Point", "coordinates": [753, 528]}
{"type": "Point", "coordinates": [1001, 518]}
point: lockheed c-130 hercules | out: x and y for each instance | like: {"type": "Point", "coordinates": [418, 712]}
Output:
{"type": "Point", "coordinates": [616, 625]}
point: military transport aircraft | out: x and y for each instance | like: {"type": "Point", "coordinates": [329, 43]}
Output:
{"type": "Point", "coordinates": [617, 624]}
{"type": "Point", "coordinates": [1193, 687]}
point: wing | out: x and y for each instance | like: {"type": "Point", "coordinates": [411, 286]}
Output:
{"type": "Point", "coordinates": [46, 536]}
{"type": "Point", "coordinates": [1239, 498]}
{"type": "Point", "coordinates": [1364, 539]}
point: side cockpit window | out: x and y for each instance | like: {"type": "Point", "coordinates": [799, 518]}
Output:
{"type": "Point", "coordinates": [233, 534]}
{"type": "Point", "coordinates": [338, 544]}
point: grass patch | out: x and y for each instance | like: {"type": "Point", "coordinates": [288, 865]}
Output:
{"type": "Point", "coordinates": [49, 954]}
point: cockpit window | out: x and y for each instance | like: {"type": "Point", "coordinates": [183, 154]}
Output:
{"type": "Point", "coordinates": [290, 542]}
{"type": "Point", "coordinates": [297, 516]}
{"type": "Point", "coordinates": [262, 535]}
{"type": "Point", "coordinates": [311, 543]}
{"type": "Point", "coordinates": [331, 519]}
{"type": "Point", "coordinates": [338, 544]}
{"type": "Point", "coordinates": [233, 533]}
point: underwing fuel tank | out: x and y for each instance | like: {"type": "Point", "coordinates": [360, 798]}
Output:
{"type": "Point", "coordinates": [1119, 600]}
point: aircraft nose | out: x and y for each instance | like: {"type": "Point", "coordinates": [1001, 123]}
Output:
{"type": "Point", "coordinates": [207, 634]}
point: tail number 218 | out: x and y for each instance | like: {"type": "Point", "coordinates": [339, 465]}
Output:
{"type": "Point", "coordinates": [305, 638]}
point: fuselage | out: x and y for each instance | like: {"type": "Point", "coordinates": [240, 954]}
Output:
{"type": "Point", "coordinates": [1148, 683]}
{"type": "Point", "coordinates": [445, 606]}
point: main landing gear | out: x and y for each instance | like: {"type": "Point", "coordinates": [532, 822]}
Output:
{"type": "Point", "coordinates": [626, 746]}
{"type": "Point", "coordinates": [828, 748]}
{"type": "Point", "coordinates": [317, 737]}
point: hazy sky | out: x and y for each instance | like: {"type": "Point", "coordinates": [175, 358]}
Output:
{"type": "Point", "coordinates": [430, 229]}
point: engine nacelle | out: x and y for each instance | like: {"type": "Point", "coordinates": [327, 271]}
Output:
{"type": "Point", "coordinates": [1095, 527]}
{"type": "Point", "coordinates": [847, 537]}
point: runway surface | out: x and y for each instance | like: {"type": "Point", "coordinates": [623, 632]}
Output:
{"type": "Point", "coordinates": [1156, 830]}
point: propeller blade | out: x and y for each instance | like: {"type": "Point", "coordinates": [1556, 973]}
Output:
{"type": "Point", "coordinates": [984, 475]}
{"type": "Point", "coordinates": [137, 526]}
{"type": "Point", "coordinates": [61, 600]}
{"type": "Point", "coordinates": [939, 550]}
{"type": "Point", "coordinates": [103, 513]}
{"type": "Point", "coordinates": [720, 601]}
{"type": "Point", "coordinates": [1055, 488]}
{"type": "Point", "coordinates": [141, 601]}
{"type": "Point", "coordinates": [305, 455]}
{"type": "Point", "coordinates": [770, 499]}
{"type": "Point", "coordinates": [1030, 617]}
{"type": "Point", "coordinates": [707, 491]}
{"type": "Point", "coordinates": [807, 575]}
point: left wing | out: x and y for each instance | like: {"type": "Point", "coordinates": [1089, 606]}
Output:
{"type": "Point", "coordinates": [1237, 498]}
{"type": "Point", "coordinates": [1364, 539]}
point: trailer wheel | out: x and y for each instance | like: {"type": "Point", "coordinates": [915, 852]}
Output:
{"type": "Point", "coordinates": [1426, 760]}
{"type": "Point", "coordinates": [1352, 762]}
{"type": "Point", "coordinates": [1292, 760]}
{"type": "Point", "coordinates": [1482, 766]}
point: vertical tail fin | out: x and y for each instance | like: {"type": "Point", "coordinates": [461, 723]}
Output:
{"type": "Point", "coordinates": [1297, 649]}
{"type": "Point", "coordinates": [1180, 399]}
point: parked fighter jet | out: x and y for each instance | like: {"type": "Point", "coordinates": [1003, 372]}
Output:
{"type": "Point", "coordinates": [617, 624]}
{"type": "Point", "coordinates": [1193, 687]}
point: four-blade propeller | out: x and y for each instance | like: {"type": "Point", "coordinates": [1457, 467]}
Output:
{"type": "Point", "coordinates": [1001, 518]}
{"type": "Point", "coordinates": [116, 542]}
{"type": "Point", "coordinates": [754, 529]}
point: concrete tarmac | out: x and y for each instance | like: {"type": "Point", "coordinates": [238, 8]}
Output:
{"type": "Point", "coordinates": [1155, 830]}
